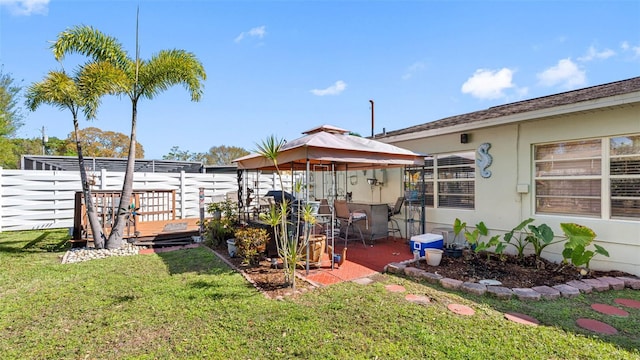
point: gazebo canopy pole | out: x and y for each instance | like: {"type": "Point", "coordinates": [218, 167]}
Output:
{"type": "Point", "coordinates": [306, 197]}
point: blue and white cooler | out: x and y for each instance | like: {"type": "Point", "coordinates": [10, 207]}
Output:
{"type": "Point", "coordinates": [426, 241]}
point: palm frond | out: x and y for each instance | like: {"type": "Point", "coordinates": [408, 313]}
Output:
{"type": "Point", "coordinates": [90, 42]}
{"type": "Point", "coordinates": [56, 89]}
{"type": "Point", "coordinates": [169, 68]}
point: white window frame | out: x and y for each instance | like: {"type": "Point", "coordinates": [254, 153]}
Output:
{"type": "Point", "coordinates": [604, 177]}
{"type": "Point", "coordinates": [435, 180]}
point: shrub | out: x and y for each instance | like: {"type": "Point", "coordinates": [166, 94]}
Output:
{"type": "Point", "coordinates": [251, 242]}
{"type": "Point", "coordinates": [218, 231]}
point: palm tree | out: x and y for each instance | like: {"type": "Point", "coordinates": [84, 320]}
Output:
{"type": "Point", "coordinates": [145, 79]}
{"type": "Point", "coordinates": [80, 92]}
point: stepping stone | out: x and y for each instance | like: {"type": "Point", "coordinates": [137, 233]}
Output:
{"type": "Point", "coordinates": [582, 286]}
{"type": "Point", "coordinates": [490, 282]}
{"type": "Point", "coordinates": [395, 288]}
{"type": "Point", "coordinates": [449, 283]}
{"type": "Point", "coordinates": [547, 292]}
{"type": "Point", "coordinates": [522, 319]}
{"type": "Point", "coordinates": [609, 310]}
{"type": "Point", "coordinates": [596, 284]}
{"type": "Point", "coordinates": [473, 288]}
{"type": "Point", "coordinates": [363, 281]}
{"type": "Point", "coordinates": [461, 309]}
{"type": "Point", "coordinates": [596, 326]}
{"type": "Point", "coordinates": [526, 294]}
{"type": "Point", "coordinates": [628, 303]}
{"type": "Point", "coordinates": [567, 291]}
{"type": "Point", "coordinates": [500, 292]}
{"type": "Point", "coordinates": [418, 299]}
{"type": "Point", "coordinates": [633, 283]}
{"type": "Point", "coordinates": [614, 283]}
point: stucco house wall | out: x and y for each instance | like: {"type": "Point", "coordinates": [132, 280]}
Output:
{"type": "Point", "coordinates": [497, 200]}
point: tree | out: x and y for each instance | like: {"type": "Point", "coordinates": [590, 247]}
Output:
{"type": "Point", "coordinates": [99, 143]}
{"type": "Point", "coordinates": [10, 113]}
{"type": "Point", "coordinates": [182, 155]}
{"type": "Point", "coordinates": [224, 155]}
{"type": "Point", "coordinates": [10, 117]}
{"type": "Point", "coordinates": [80, 92]}
{"type": "Point", "coordinates": [217, 155]}
{"type": "Point", "coordinates": [145, 79]}
{"type": "Point", "coordinates": [61, 147]}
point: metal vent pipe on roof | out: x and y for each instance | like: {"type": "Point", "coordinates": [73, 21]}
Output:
{"type": "Point", "coordinates": [372, 127]}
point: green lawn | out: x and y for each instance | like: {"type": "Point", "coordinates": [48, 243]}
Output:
{"type": "Point", "coordinates": [188, 304]}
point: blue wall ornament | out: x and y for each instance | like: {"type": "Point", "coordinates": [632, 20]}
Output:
{"type": "Point", "coordinates": [484, 160]}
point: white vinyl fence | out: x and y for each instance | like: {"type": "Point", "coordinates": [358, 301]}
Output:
{"type": "Point", "coordinates": [42, 199]}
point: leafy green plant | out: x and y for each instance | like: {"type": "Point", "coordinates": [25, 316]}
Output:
{"type": "Point", "coordinates": [289, 243]}
{"type": "Point", "coordinates": [473, 237]}
{"type": "Point", "coordinates": [518, 238]}
{"type": "Point", "coordinates": [579, 237]}
{"type": "Point", "coordinates": [251, 242]}
{"type": "Point", "coordinates": [218, 231]}
{"type": "Point", "coordinates": [226, 208]}
{"type": "Point", "coordinates": [540, 237]}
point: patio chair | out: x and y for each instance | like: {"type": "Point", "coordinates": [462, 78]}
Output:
{"type": "Point", "coordinates": [349, 219]}
{"type": "Point", "coordinates": [395, 227]}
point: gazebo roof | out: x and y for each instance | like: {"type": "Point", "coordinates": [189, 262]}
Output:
{"type": "Point", "coordinates": [330, 145]}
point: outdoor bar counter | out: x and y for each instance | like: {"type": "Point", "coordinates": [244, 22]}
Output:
{"type": "Point", "coordinates": [377, 219]}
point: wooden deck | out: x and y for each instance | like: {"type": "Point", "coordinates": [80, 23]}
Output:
{"type": "Point", "coordinates": [156, 233]}
{"type": "Point", "coordinates": [165, 232]}
{"type": "Point", "coordinates": [153, 223]}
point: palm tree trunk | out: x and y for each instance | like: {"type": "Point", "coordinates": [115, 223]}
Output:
{"type": "Point", "coordinates": [94, 223]}
{"type": "Point", "coordinates": [117, 231]}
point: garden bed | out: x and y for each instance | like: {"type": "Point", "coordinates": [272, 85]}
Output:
{"type": "Point", "coordinates": [511, 271]}
{"type": "Point", "coordinates": [268, 279]}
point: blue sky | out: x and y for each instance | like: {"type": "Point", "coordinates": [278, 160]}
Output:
{"type": "Point", "coordinates": [283, 67]}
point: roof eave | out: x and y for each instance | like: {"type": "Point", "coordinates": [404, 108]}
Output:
{"type": "Point", "coordinates": [591, 105]}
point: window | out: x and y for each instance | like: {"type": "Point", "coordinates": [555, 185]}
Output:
{"type": "Point", "coordinates": [456, 180]}
{"type": "Point", "coordinates": [448, 181]}
{"type": "Point", "coordinates": [597, 177]}
{"type": "Point", "coordinates": [624, 171]}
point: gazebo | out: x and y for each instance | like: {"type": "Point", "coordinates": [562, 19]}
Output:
{"type": "Point", "coordinates": [334, 149]}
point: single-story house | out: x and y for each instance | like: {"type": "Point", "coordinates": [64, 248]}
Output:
{"type": "Point", "coordinates": [569, 157]}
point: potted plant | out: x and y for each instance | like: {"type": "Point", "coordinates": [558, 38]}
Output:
{"type": "Point", "coordinates": [220, 228]}
{"type": "Point", "coordinates": [216, 209]}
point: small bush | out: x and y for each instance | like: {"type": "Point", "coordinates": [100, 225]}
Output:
{"type": "Point", "coordinates": [251, 242]}
{"type": "Point", "coordinates": [218, 231]}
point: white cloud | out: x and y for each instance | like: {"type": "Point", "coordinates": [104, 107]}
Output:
{"type": "Point", "coordinates": [625, 46]}
{"type": "Point", "coordinates": [592, 54]}
{"type": "Point", "coordinates": [566, 74]}
{"type": "Point", "coordinates": [412, 70]}
{"type": "Point", "coordinates": [489, 84]}
{"type": "Point", "coordinates": [26, 7]}
{"type": "Point", "coordinates": [258, 32]}
{"type": "Point", "coordinates": [334, 89]}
